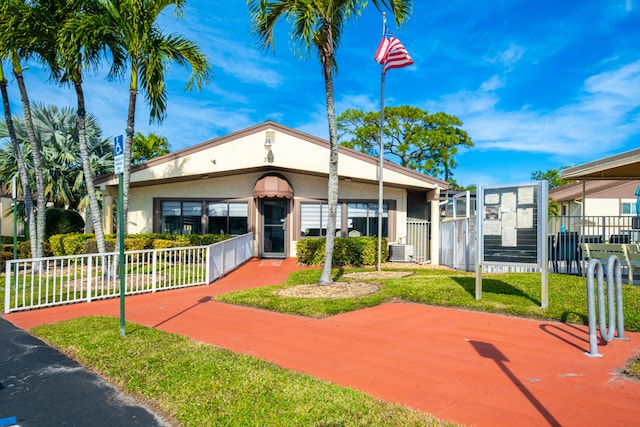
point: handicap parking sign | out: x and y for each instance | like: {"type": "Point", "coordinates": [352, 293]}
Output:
{"type": "Point", "coordinates": [118, 154]}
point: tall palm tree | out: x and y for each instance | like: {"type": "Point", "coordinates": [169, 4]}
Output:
{"type": "Point", "coordinates": [20, 163]}
{"type": "Point", "coordinates": [317, 25]}
{"type": "Point", "coordinates": [20, 40]}
{"type": "Point", "coordinates": [80, 47]}
{"type": "Point", "coordinates": [150, 51]}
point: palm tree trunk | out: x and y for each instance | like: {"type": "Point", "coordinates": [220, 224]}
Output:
{"type": "Point", "coordinates": [128, 144]}
{"type": "Point", "coordinates": [96, 216]}
{"type": "Point", "coordinates": [36, 232]}
{"type": "Point", "coordinates": [22, 169]}
{"type": "Point", "coordinates": [332, 188]}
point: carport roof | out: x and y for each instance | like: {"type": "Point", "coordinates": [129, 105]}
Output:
{"type": "Point", "coordinates": [624, 166]}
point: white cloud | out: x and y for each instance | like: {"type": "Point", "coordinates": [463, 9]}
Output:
{"type": "Point", "coordinates": [494, 83]}
{"type": "Point", "coordinates": [508, 57]}
{"type": "Point", "coordinates": [603, 117]}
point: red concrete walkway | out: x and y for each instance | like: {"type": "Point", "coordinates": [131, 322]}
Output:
{"type": "Point", "coordinates": [473, 368]}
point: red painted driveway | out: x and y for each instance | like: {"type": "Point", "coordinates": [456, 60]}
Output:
{"type": "Point", "coordinates": [473, 368]}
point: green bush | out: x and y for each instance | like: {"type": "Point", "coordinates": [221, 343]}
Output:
{"type": "Point", "coordinates": [73, 244]}
{"type": "Point", "coordinates": [57, 246]}
{"type": "Point", "coordinates": [346, 251]}
{"type": "Point", "coordinates": [80, 243]}
{"type": "Point", "coordinates": [61, 221]}
{"type": "Point", "coordinates": [163, 244]}
{"type": "Point", "coordinates": [137, 243]}
{"type": "Point", "coordinates": [91, 245]}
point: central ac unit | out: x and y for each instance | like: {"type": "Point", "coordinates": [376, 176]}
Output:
{"type": "Point", "coordinates": [400, 253]}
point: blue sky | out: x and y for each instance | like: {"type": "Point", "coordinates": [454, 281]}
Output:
{"type": "Point", "coordinates": [538, 84]}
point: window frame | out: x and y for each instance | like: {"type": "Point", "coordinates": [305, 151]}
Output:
{"type": "Point", "coordinates": [158, 225]}
{"type": "Point", "coordinates": [343, 220]}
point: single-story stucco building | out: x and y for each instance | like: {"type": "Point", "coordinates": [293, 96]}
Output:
{"type": "Point", "coordinates": [272, 180]}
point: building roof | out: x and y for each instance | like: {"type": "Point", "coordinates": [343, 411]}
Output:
{"type": "Point", "coordinates": [288, 150]}
{"type": "Point", "coordinates": [600, 189]}
{"type": "Point", "coordinates": [624, 166]}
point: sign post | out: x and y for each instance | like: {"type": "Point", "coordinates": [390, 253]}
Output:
{"type": "Point", "coordinates": [14, 196]}
{"type": "Point", "coordinates": [118, 168]}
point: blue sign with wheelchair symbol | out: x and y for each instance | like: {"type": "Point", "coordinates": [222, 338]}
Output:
{"type": "Point", "coordinates": [118, 154]}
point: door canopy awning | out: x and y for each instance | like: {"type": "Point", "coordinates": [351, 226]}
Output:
{"type": "Point", "coordinates": [272, 186]}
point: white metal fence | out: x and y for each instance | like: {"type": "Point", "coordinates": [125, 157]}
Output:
{"type": "Point", "coordinates": [565, 235]}
{"type": "Point", "coordinates": [458, 243]}
{"type": "Point", "coordinates": [43, 282]}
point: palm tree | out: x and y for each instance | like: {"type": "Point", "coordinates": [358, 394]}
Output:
{"type": "Point", "coordinates": [20, 40]}
{"type": "Point", "coordinates": [148, 51]}
{"type": "Point", "coordinates": [15, 148]}
{"type": "Point", "coordinates": [318, 24]}
{"type": "Point", "coordinates": [148, 147]}
{"type": "Point", "coordinates": [77, 51]}
{"type": "Point", "coordinates": [57, 131]}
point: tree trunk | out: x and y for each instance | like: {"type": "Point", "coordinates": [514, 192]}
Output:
{"type": "Point", "coordinates": [332, 188]}
{"type": "Point", "coordinates": [128, 144]}
{"type": "Point", "coordinates": [96, 216]}
{"type": "Point", "coordinates": [22, 169]}
{"type": "Point", "coordinates": [36, 232]}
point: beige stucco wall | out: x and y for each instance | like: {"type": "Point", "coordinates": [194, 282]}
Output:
{"type": "Point", "coordinates": [6, 223]}
{"type": "Point", "coordinates": [603, 207]}
{"type": "Point", "coordinates": [240, 187]}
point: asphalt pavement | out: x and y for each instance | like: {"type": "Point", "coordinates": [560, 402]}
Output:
{"type": "Point", "coordinates": [39, 386]}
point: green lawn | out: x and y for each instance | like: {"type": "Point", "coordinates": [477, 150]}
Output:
{"type": "Point", "coordinates": [194, 384]}
{"type": "Point", "coordinates": [515, 294]}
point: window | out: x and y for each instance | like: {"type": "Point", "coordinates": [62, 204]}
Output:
{"type": "Point", "coordinates": [228, 217]}
{"type": "Point", "coordinates": [182, 217]}
{"type": "Point", "coordinates": [629, 208]}
{"type": "Point", "coordinates": [362, 219]}
{"type": "Point", "coordinates": [186, 217]}
{"type": "Point", "coordinates": [313, 219]}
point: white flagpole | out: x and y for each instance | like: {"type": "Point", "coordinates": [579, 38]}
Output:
{"type": "Point", "coordinates": [381, 161]}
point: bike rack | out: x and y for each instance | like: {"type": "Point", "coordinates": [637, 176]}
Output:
{"type": "Point", "coordinates": [614, 284]}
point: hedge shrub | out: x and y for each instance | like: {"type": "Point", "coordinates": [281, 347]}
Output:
{"type": "Point", "coordinates": [78, 243]}
{"type": "Point", "coordinates": [347, 251]}
{"type": "Point", "coordinates": [61, 221]}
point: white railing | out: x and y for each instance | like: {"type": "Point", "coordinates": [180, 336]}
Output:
{"type": "Point", "coordinates": [45, 282]}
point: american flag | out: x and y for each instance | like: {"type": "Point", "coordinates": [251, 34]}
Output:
{"type": "Point", "coordinates": [391, 52]}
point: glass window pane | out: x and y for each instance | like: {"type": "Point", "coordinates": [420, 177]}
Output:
{"type": "Point", "coordinates": [192, 208]}
{"type": "Point", "coordinates": [310, 219]}
{"type": "Point", "coordinates": [217, 225]}
{"type": "Point", "coordinates": [239, 209]}
{"type": "Point", "coordinates": [171, 224]}
{"type": "Point", "coordinates": [238, 225]}
{"type": "Point", "coordinates": [217, 209]}
{"type": "Point", "coordinates": [191, 225]}
{"type": "Point", "coordinates": [171, 209]}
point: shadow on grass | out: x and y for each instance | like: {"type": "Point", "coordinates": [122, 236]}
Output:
{"type": "Point", "coordinates": [493, 286]}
